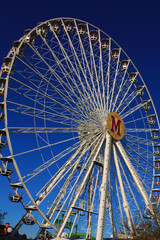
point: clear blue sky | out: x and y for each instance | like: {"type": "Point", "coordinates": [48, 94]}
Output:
{"type": "Point", "coordinates": [133, 24]}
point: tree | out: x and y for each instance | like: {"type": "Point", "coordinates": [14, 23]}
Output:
{"type": "Point", "coordinates": [2, 216]}
{"type": "Point", "coordinates": [148, 229]}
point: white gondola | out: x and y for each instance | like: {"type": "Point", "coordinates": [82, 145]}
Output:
{"type": "Point", "coordinates": [146, 106]}
{"type": "Point", "coordinates": [1, 117]}
{"type": "Point", "coordinates": [6, 159]}
{"type": "Point", "coordinates": [2, 105]}
{"type": "Point", "coordinates": [157, 168]}
{"type": "Point", "coordinates": [6, 172]}
{"type": "Point", "coordinates": [93, 36]}
{"type": "Point", "coordinates": [3, 144]}
{"type": "Point", "coordinates": [15, 197]}
{"type": "Point", "coordinates": [68, 26]}
{"type": "Point", "coordinates": [155, 198]}
{"type": "Point", "coordinates": [30, 38]}
{"type": "Point", "coordinates": [140, 91]}
{"type": "Point", "coordinates": [132, 78]}
{"type": "Point", "coordinates": [20, 52]}
{"type": "Point", "coordinates": [156, 150]}
{"type": "Point", "coordinates": [157, 175]}
{"type": "Point", "coordinates": [2, 81]}
{"type": "Point", "coordinates": [5, 69]}
{"type": "Point", "coordinates": [156, 190]}
{"type": "Point", "coordinates": [105, 44]}
{"type": "Point", "coordinates": [154, 133]}
{"type": "Point", "coordinates": [151, 120]}
{"type": "Point", "coordinates": [147, 216]}
{"type": "Point", "coordinates": [115, 54]}
{"type": "Point", "coordinates": [124, 65]}
{"type": "Point", "coordinates": [16, 44]}
{"type": "Point", "coordinates": [29, 221]}
{"type": "Point", "coordinates": [82, 30]}
{"type": "Point", "coordinates": [6, 65]}
{"type": "Point", "coordinates": [3, 132]}
{"type": "Point", "coordinates": [56, 26]}
{"type": "Point", "coordinates": [157, 183]}
{"type": "Point", "coordinates": [1, 91]}
{"type": "Point", "coordinates": [157, 161]}
{"type": "Point", "coordinates": [16, 185]}
{"type": "Point", "coordinates": [42, 30]}
{"type": "Point", "coordinates": [30, 208]}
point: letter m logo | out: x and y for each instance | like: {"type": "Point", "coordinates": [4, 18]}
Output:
{"type": "Point", "coordinates": [115, 125]}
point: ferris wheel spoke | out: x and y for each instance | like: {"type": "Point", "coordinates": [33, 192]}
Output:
{"type": "Point", "coordinates": [125, 201]}
{"type": "Point", "coordinates": [132, 110]}
{"type": "Point", "coordinates": [125, 103]}
{"type": "Point", "coordinates": [125, 94]}
{"type": "Point", "coordinates": [50, 162]}
{"type": "Point", "coordinates": [93, 155]}
{"type": "Point", "coordinates": [142, 180]}
{"type": "Point", "coordinates": [101, 74]}
{"type": "Point", "coordinates": [102, 208]}
{"type": "Point", "coordinates": [114, 81]}
{"type": "Point", "coordinates": [65, 96]}
{"type": "Point", "coordinates": [79, 190]}
{"type": "Point", "coordinates": [137, 139]}
{"type": "Point", "coordinates": [65, 186]}
{"type": "Point", "coordinates": [43, 147]}
{"type": "Point", "coordinates": [86, 64]}
{"type": "Point", "coordinates": [135, 176]}
{"type": "Point", "coordinates": [53, 112]}
{"type": "Point", "coordinates": [67, 59]}
{"type": "Point", "coordinates": [107, 78]}
{"type": "Point", "coordinates": [51, 184]}
{"type": "Point", "coordinates": [41, 130]}
{"type": "Point", "coordinates": [118, 195]}
{"type": "Point", "coordinates": [130, 189]}
{"type": "Point", "coordinates": [137, 130]}
{"type": "Point", "coordinates": [109, 203]}
{"type": "Point", "coordinates": [120, 89]}
{"type": "Point", "coordinates": [67, 108]}
{"type": "Point", "coordinates": [40, 117]}
{"type": "Point", "coordinates": [140, 148]}
{"type": "Point", "coordinates": [96, 186]}
{"type": "Point", "coordinates": [136, 120]}
{"type": "Point", "coordinates": [81, 68]}
{"type": "Point", "coordinates": [92, 56]}
{"type": "Point", "coordinates": [35, 112]}
{"type": "Point", "coordinates": [143, 158]}
{"type": "Point", "coordinates": [64, 84]}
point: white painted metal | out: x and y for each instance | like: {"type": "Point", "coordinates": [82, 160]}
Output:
{"type": "Point", "coordinates": [62, 90]}
{"type": "Point", "coordinates": [135, 176]}
{"type": "Point", "coordinates": [80, 187]}
{"type": "Point", "coordinates": [125, 202]}
{"type": "Point", "coordinates": [109, 206]}
{"type": "Point", "coordinates": [90, 205]}
{"type": "Point", "coordinates": [103, 199]}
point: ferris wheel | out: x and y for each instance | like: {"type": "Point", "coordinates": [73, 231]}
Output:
{"type": "Point", "coordinates": [79, 131]}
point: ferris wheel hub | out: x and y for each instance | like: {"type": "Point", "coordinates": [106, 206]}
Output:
{"type": "Point", "coordinates": [88, 131]}
{"type": "Point", "coordinates": [115, 125]}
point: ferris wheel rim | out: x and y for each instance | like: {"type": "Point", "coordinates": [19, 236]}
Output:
{"type": "Point", "coordinates": [5, 103]}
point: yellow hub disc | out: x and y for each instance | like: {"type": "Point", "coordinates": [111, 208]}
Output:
{"type": "Point", "coordinates": [115, 125]}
